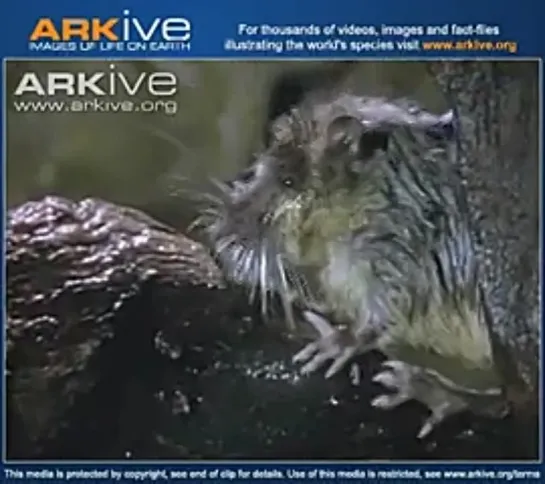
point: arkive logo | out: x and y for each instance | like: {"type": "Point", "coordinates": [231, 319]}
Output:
{"type": "Point", "coordinates": [124, 29]}
{"type": "Point", "coordinates": [98, 83]}
{"type": "Point", "coordinates": [120, 33]}
{"type": "Point", "coordinates": [107, 90]}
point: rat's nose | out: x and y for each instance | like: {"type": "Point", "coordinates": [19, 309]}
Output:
{"type": "Point", "coordinates": [242, 178]}
{"type": "Point", "coordinates": [246, 176]}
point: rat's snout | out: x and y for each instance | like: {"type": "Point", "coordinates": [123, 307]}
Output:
{"type": "Point", "coordinates": [242, 179]}
{"type": "Point", "coordinates": [250, 185]}
{"type": "Point", "coordinates": [245, 183]}
{"type": "Point", "coordinates": [247, 175]}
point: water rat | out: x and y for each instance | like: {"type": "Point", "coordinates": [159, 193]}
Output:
{"type": "Point", "coordinates": [356, 211]}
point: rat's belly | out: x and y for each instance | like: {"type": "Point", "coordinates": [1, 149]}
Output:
{"type": "Point", "coordinates": [343, 284]}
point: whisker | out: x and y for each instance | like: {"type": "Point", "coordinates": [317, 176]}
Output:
{"type": "Point", "coordinates": [285, 292]}
{"type": "Point", "coordinates": [263, 280]}
{"type": "Point", "coordinates": [237, 253]}
{"type": "Point", "coordinates": [199, 222]}
{"type": "Point", "coordinates": [213, 212]}
{"type": "Point", "coordinates": [281, 210]}
{"type": "Point", "coordinates": [251, 258]}
{"type": "Point", "coordinates": [206, 197]}
{"type": "Point", "coordinates": [181, 186]}
{"type": "Point", "coordinates": [224, 243]}
{"type": "Point", "coordinates": [246, 263]}
{"type": "Point", "coordinates": [165, 136]}
{"type": "Point", "coordinates": [300, 285]}
{"type": "Point", "coordinates": [195, 194]}
{"type": "Point", "coordinates": [254, 280]}
{"type": "Point", "coordinates": [221, 186]}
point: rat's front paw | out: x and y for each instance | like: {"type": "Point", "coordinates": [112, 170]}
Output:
{"type": "Point", "coordinates": [409, 382]}
{"type": "Point", "coordinates": [333, 344]}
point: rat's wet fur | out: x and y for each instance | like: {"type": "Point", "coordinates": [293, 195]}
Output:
{"type": "Point", "coordinates": [356, 212]}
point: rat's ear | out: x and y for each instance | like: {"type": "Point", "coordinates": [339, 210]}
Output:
{"type": "Point", "coordinates": [352, 134]}
{"type": "Point", "coordinates": [344, 130]}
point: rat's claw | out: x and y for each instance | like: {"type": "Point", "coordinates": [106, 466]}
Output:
{"type": "Point", "coordinates": [306, 353]}
{"type": "Point", "coordinates": [320, 352]}
{"type": "Point", "coordinates": [318, 360]}
{"type": "Point", "coordinates": [329, 346]}
{"type": "Point", "coordinates": [324, 329]}
{"type": "Point", "coordinates": [437, 416]}
{"type": "Point", "coordinates": [439, 412]}
{"type": "Point", "coordinates": [398, 378]}
{"type": "Point", "coordinates": [319, 323]}
{"type": "Point", "coordinates": [340, 361]}
{"type": "Point", "coordinates": [411, 382]}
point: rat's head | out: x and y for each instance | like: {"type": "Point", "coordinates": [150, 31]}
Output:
{"type": "Point", "coordinates": [299, 187]}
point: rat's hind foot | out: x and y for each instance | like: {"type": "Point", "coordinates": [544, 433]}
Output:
{"type": "Point", "coordinates": [398, 378]}
{"type": "Point", "coordinates": [410, 382]}
{"type": "Point", "coordinates": [335, 344]}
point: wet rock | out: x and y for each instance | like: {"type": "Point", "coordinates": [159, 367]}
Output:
{"type": "Point", "coordinates": [79, 328]}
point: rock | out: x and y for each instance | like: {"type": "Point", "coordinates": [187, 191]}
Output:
{"type": "Point", "coordinates": [77, 325]}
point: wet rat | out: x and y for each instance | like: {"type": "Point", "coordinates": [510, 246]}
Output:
{"type": "Point", "coordinates": [355, 211]}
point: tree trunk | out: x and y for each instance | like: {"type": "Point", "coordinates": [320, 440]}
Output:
{"type": "Point", "coordinates": [498, 150]}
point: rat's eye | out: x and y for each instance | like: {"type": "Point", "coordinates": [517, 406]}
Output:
{"type": "Point", "coordinates": [287, 182]}
{"type": "Point", "coordinates": [291, 166]}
